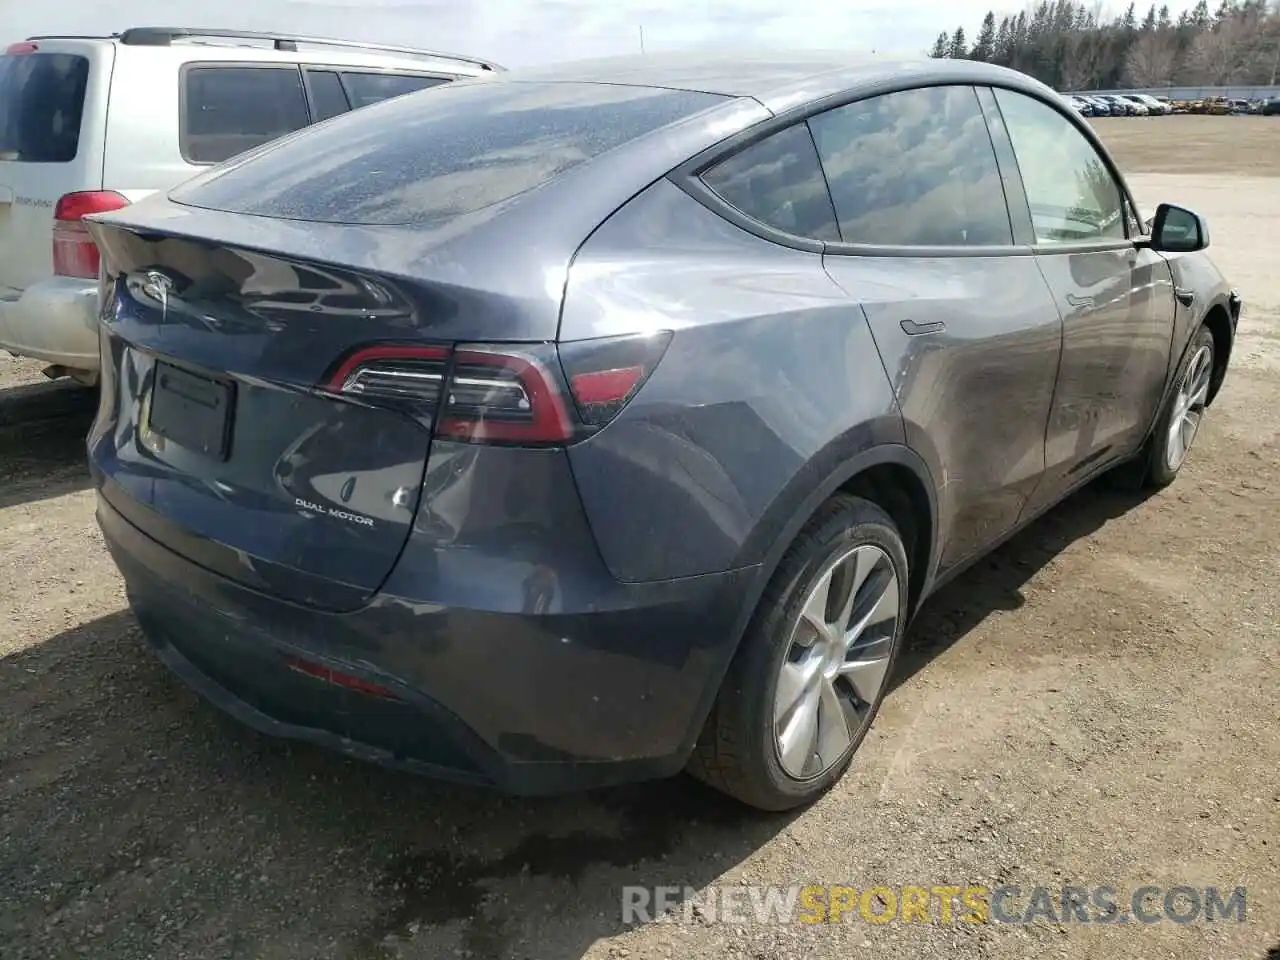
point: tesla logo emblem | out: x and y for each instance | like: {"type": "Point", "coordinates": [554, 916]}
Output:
{"type": "Point", "coordinates": [157, 286]}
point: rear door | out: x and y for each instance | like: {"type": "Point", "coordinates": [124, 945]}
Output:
{"type": "Point", "coordinates": [1116, 300]}
{"type": "Point", "coordinates": [966, 328]}
{"type": "Point", "coordinates": [53, 96]}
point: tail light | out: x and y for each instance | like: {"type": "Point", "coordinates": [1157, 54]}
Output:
{"type": "Point", "coordinates": [22, 48]}
{"type": "Point", "coordinates": [74, 252]}
{"type": "Point", "coordinates": [526, 395]}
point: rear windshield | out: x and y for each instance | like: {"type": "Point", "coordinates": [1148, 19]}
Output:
{"type": "Point", "coordinates": [41, 105]}
{"type": "Point", "coordinates": [441, 153]}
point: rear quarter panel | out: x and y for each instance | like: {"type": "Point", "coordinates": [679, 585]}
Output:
{"type": "Point", "coordinates": [770, 368]}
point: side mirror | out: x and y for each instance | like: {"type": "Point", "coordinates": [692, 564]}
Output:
{"type": "Point", "coordinates": [1178, 230]}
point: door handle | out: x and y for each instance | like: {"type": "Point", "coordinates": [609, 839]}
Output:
{"type": "Point", "coordinates": [1185, 297]}
{"type": "Point", "coordinates": [913, 329]}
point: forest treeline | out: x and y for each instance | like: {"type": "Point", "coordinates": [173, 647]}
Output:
{"type": "Point", "coordinates": [1073, 46]}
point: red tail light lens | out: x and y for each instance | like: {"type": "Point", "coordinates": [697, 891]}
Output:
{"type": "Point", "coordinates": [21, 48]}
{"type": "Point", "coordinates": [505, 394]}
{"type": "Point", "coordinates": [605, 374]}
{"type": "Point", "coordinates": [499, 395]}
{"type": "Point", "coordinates": [74, 252]}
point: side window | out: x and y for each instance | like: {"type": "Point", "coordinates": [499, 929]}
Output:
{"type": "Point", "coordinates": [327, 98]}
{"type": "Point", "coordinates": [229, 110]}
{"type": "Point", "coordinates": [1072, 195]}
{"type": "Point", "coordinates": [914, 168]}
{"type": "Point", "coordinates": [778, 181]}
{"type": "Point", "coordinates": [366, 89]}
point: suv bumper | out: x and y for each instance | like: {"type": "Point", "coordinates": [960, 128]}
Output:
{"type": "Point", "coordinates": [529, 703]}
{"type": "Point", "coordinates": [54, 320]}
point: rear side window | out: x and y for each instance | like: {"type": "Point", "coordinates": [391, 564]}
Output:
{"type": "Point", "coordinates": [370, 88]}
{"type": "Point", "coordinates": [228, 110]}
{"type": "Point", "coordinates": [327, 98]}
{"type": "Point", "coordinates": [779, 182]}
{"type": "Point", "coordinates": [914, 168]}
{"type": "Point", "coordinates": [41, 106]}
{"type": "Point", "coordinates": [429, 159]}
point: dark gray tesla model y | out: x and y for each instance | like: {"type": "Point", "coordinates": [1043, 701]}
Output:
{"type": "Point", "coordinates": [585, 424]}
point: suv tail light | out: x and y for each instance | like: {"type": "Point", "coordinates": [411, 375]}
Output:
{"type": "Point", "coordinates": [74, 252]}
{"type": "Point", "coordinates": [526, 395]}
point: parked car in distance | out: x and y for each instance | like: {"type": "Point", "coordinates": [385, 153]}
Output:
{"type": "Point", "coordinates": [1081, 106]}
{"type": "Point", "coordinates": [1121, 106]}
{"type": "Point", "coordinates": [587, 422]}
{"type": "Point", "coordinates": [1155, 107]}
{"type": "Point", "coordinates": [1101, 107]}
{"type": "Point", "coordinates": [92, 124]}
{"type": "Point", "coordinates": [1271, 107]}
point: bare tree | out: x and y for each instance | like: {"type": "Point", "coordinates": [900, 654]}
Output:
{"type": "Point", "coordinates": [1220, 54]}
{"type": "Point", "coordinates": [1152, 59]}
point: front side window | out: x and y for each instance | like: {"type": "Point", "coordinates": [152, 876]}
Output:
{"type": "Point", "coordinates": [914, 168]}
{"type": "Point", "coordinates": [370, 88]}
{"type": "Point", "coordinates": [1071, 192]}
{"type": "Point", "coordinates": [778, 182]}
{"type": "Point", "coordinates": [229, 110]}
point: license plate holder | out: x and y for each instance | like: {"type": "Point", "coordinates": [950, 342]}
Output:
{"type": "Point", "coordinates": [191, 410]}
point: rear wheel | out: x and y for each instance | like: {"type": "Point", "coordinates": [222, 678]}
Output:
{"type": "Point", "coordinates": [814, 665]}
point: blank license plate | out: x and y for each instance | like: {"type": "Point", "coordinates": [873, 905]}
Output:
{"type": "Point", "coordinates": [192, 411]}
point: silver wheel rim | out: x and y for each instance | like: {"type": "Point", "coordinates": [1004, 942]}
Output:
{"type": "Point", "coordinates": [1188, 407]}
{"type": "Point", "coordinates": [837, 661]}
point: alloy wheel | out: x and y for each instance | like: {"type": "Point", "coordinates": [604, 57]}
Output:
{"type": "Point", "coordinates": [1189, 406]}
{"type": "Point", "coordinates": [837, 661]}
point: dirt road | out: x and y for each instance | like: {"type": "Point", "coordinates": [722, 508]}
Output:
{"type": "Point", "coordinates": [1097, 704]}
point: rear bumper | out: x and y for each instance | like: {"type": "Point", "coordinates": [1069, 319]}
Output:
{"type": "Point", "coordinates": [55, 321]}
{"type": "Point", "coordinates": [529, 703]}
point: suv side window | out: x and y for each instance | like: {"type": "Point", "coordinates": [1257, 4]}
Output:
{"type": "Point", "coordinates": [778, 182]}
{"type": "Point", "coordinates": [1071, 192]}
{"type": "Point", "coordinates": [230, 109]}
{"type": "Point", "coordinates": [914, 168]}
{"type": "Point", "coordinates": [366, 89]}
{"type": "Point", "coordinates": [327, 96]}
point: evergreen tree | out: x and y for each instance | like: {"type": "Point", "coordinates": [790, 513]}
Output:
{"type": "Point", "coordinates": [985, 47]}
{"type": "Point", "coordinates": [1149, 21]}
{"type": "Point", "coordinates": [941, 47]}
{"type": "Point", "coordinates": [959, 46]}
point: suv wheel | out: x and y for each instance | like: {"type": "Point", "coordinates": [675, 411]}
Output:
{"type": "Point", "coordinates": [814, 664]}
{"type": "Point", "coordinates": [1180, 422]}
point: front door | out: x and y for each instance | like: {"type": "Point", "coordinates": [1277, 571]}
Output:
{"type": "Point", "coordinates": [1116, 300]}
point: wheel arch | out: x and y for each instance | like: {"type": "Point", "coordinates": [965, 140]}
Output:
{"type": "Point", "coordinates": [893, 476]}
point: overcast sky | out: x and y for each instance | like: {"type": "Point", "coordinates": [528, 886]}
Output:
{"type": "Point", "coordinates": [515, 32]}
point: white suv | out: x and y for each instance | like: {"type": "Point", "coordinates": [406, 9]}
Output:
{"type": "Point", "coordinates": [90, 124]}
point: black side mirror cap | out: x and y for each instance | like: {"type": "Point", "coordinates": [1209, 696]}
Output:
{"type": "Point", "coordinates": [1177, 230]}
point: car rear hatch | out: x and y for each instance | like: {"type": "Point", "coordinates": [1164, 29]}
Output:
{"type": "Point", "coordinates": [276, 335]}
{"type": "Point", "coordinates": [52, 109]}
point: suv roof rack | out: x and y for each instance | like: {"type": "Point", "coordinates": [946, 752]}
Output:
{"type": "Point", "coordinates": [164, 36]}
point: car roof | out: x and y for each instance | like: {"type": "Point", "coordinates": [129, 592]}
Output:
{"type": "Point", "coordinates": [779, 79]}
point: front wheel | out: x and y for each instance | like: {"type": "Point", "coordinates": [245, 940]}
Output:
{"type": "Point", "coordinates": [1180, 421]}
{"type": "Point", "coordinates": [814, 664]}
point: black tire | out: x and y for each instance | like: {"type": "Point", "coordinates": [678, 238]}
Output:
{"type": "Point", "coordinates": [736, 751]}
{"type": "Point", "coordinates": [1160, 472]}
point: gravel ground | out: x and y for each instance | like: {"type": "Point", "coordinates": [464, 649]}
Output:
{"type": "Point", "coordinates": [1098, 703]}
